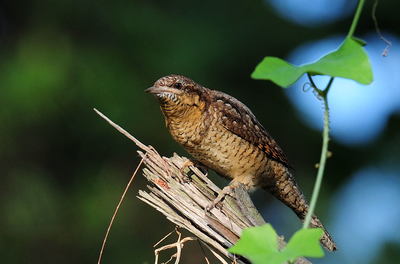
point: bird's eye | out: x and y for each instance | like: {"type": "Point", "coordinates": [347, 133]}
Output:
{"type": "Point", "coordinates": [177, 85]}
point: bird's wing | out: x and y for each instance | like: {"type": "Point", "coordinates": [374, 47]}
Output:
{"type": "Point", "coordinates": [238, 119]}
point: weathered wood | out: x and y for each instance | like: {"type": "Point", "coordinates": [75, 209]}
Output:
{"type": "Point", "coordinates": [181, 192]}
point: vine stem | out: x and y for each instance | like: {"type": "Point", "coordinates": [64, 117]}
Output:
{"type": "Point", "coordinates": [355, 19]}
{"type": "Point", "coordinates": [324, 151]}
{"type": "Point", "coordinates": [325, 135]}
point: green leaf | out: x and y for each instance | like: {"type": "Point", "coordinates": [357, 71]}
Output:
{"type": "Point", "coordinates": [304, 243]}
{"type": "Point", "coordinates": [260, 245]}
{"type": "Point", "coordinates": [255, 242]}
{"type": "Point", "coordinates": [349, 61]}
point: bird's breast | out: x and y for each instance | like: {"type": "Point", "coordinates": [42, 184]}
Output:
{"type": "Point", "coordinates": [185, 132]}
{"type": "Point", "coordinates": [230, 155]}
{"type": "Point", "coordinates": [219, 149]}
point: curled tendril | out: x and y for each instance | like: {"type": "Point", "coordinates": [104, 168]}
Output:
{"type": "Point", "coordinates": [388, 43]}
{"type": "Point", "coordinates": [307, 87]}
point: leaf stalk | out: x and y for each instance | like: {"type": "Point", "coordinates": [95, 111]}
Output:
{"type": "Point", "coordinates": [356, 18]}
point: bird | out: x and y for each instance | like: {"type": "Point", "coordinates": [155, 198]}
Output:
{"type": "Point", "coordinates": [221, 133]}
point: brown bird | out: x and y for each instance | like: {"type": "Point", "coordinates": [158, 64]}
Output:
{"type": "Point", "coordinates": [223, 134]}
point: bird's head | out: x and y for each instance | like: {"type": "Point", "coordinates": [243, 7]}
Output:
{"type": "Point", "coordinates": [179, 95]}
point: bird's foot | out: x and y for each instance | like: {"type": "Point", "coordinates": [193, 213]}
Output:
{"type": "Point", "coordinates": [186, 165]}
{"type": "Point", "coordinates": [185, 168]}
{"type": "Point", "coordinates": [227, 190]}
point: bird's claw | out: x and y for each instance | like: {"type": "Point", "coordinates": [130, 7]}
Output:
{"type": "Point", "coordinates": [214, 204]}
{"type": "Point", "coordinates": [227, 190]}
{"type": "Point", "coordinates": [188, 163]}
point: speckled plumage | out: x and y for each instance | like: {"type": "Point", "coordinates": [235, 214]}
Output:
{"type": "Point", "coordinates": [223, 134]}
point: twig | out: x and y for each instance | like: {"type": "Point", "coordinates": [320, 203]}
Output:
{"type": "Point", "coordinates": [178, 245]}
{"type": "Point", "coordinates": [202, 250]}
{"type": "Point", "coordinates": [123, 131]}
{"type": "Point", "coordinates": [165, 237]}
{"type": "Point", "coordinates": [116, 211]}
{"type": "Point", "coordinates": [219, 257]}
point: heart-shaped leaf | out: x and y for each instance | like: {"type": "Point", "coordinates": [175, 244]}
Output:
{"type": "Point", "coordinates": [260, 245]}
{"type": "Point", "coordinates": [304, 243]}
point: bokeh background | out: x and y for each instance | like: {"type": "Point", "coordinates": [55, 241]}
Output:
{"type": "Point", "coordinates": [63, 169]}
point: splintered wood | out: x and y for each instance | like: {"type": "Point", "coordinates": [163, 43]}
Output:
{"type": "Point", "coordinates": [181, 192]}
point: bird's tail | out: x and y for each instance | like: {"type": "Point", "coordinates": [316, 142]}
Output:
{"type": "Point", "coordinates": [284, 187]}
{"type": "Point", "coordinates": [326, 239]}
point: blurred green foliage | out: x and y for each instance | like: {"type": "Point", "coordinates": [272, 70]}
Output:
{"type": "Point", "coordinates": [64, 169]}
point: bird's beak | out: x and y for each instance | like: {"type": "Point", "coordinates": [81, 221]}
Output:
{"type": "Point", "coordinates": [162, 89]}
{"type": "Point", "coordinates": [152, 90]}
